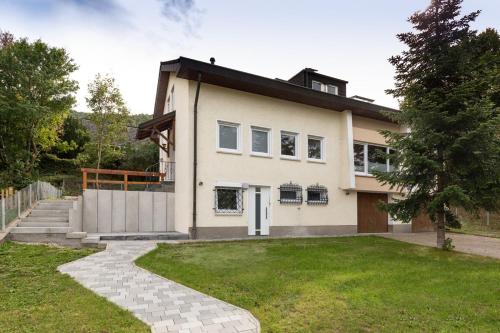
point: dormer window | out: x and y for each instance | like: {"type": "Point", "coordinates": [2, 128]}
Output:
{"type": "Point", "coordinates": [331, 89]}
{"type": "Point", "coordinates": [327, 88]}
{"type": "Point", "coordinates": [317, 85]}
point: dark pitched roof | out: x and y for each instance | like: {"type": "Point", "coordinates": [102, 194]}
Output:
{"type": "Point", "coordinates": [230, 78]}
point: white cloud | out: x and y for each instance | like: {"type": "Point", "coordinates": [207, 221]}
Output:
{"type": "Point", "coordinates": [129, 38]}
{"type": "Point", "coordinates": [127, 41]}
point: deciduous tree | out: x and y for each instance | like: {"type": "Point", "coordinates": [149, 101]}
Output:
{"type": "Point", "coordinates": [109, 117]}
{"type": "Point", "coordinates": [36, 95]}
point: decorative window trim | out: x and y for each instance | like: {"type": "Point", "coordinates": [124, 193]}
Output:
{"type": "Point", "coordinates": [323, 192]}
{"type": "Point", "coordinates": [290, 187]}
{"type": "Point", "coordinates": [323, 146]}
{"type": "Point", "coordinates": [365, 158]}
{"type": "Point", "coordinates": [269, 141]}
{"type": "Point", "coordinates": [239, 201]}
{"type": "Point", "coordinates": [238, 137]}
{"type": "Point", "coordinates": [295, 157]}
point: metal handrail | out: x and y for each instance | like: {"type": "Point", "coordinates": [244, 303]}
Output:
{"type": "Point", "coordinates": [15, 205]}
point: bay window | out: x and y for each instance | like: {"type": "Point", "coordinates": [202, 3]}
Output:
{"type": "Point", "coordinates": [369, 158]}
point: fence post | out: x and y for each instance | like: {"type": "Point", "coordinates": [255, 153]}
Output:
{"type": "Point", "coordinates": [18, 203]}
{"type": "Point", "coordinates": [84, 180]}
{"type": "Point", "coordinates": [125, 181]}
{"type": "Point", "coordinates": [30, 194]}
{"type": "Point", "coordinates": [3, 213]}
{"type": "Point", "coordinates": [487, 218]}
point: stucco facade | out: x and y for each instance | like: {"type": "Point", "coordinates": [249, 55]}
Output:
{"type": "Point", "coordinates": [339, 129]}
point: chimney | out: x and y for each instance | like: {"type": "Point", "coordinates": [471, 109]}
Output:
{"type": "Point", "coordinates": [212, 61]}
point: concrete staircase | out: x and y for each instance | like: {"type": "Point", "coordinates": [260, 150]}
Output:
{"type": "Point", "coordinates": [48, 222]}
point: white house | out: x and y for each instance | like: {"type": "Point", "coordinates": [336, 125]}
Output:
{"type": "Point", "coordinates": [259, 156]}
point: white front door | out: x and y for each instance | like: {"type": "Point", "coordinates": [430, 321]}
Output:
{"type": "Point", "coordinates": [259, 210]}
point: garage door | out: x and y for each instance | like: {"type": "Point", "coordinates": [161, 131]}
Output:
{"type": "Point", "coordinates": [370, 218]}
{"type": "Point", "coordinates": [422, 223]}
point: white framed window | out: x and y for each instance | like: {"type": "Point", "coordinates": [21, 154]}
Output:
{"type": "Point", "coordinates": [327, 88]}
{"type": "Point", "coordinates": [315, 85]}
{"type": "Point", "coordinates": [390, 163]}
{"type": "Point", "coordinates": [260, 141]}
{"type": "Point", "coordinates": [228, 201]}
{"type": "Point", "coordinates": [331, 89]}
{"type": "Point", "coordinates": [315, 148]}
{"type": "Point", "coordinates": [367, 158]}
{"type": "Point", "coordinates": [228, 137]}
{"type": "Point", "coordinates": [289, 143]}
{"type": "Point", "coordinates": [359, 158]}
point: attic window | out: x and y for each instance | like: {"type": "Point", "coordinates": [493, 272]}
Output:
{"type": "Point", "coordinates": [317, 195]}
{"type": "Point", "coordinates": [317, 85]}
{"type": "Point", "coordinates": [331, 89]}
{"type": "Point", "coordinates": [290, 193]}
{"type": "Point", "coordinates": [327, 88]}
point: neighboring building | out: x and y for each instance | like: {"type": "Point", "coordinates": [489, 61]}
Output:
{"type": "Point", "coordinates": [268, 156]}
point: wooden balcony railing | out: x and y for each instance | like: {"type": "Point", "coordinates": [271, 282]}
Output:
{"type": "Point", "coordinates": [151, 177]}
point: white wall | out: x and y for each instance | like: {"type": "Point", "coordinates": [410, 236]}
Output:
{"type": "Point", "coordinates": [218, 103]}
{"type": "Point", "coordinates": [110, 211]}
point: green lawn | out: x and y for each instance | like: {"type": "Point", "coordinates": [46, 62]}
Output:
{"type": "Point", "coordinates": [354, 284]}
{"type": "Point", "coordinates": [34, 297]}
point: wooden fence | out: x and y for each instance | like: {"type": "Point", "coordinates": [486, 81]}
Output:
{"type": "Point", "coordinates": [151, 177]}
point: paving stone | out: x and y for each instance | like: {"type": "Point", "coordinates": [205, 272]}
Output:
{"type": "Point", "coordinates": [163, 304]}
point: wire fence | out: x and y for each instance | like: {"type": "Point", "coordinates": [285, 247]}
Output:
{"type": "Point", "coordinates": [18, 202]}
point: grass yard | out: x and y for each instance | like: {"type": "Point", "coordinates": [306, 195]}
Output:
{"type": "Point", "coordinates": [34, 297]}
{"type": "Point", "coordinates": [348, 284]}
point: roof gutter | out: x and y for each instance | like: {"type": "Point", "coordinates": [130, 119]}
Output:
{"type": "Point", "coordinates": [195, 156]}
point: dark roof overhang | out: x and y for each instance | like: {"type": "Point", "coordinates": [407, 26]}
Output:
{"type": "Point", "coordinates": [157, 124]}
{"type": "Point", "coordinates": [229, 78]}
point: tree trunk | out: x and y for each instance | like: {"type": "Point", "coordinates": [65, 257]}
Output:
{"type": "Point", "coordinates": [441, 236]}
{"type": "Point", "coordinates": [99, 148]}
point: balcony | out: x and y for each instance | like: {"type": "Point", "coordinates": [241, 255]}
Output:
{"type": "Point", "coordinates": [157, 174]}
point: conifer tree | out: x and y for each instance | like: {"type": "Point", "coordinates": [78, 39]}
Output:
{"type": "Point", "coordinates": [448, 84]}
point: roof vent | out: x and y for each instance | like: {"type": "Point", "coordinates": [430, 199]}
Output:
{"type": "Point", "coordinates": [212, 61]}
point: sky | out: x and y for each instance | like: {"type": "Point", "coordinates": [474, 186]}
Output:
{"type": "Point", "coordinates": [127, 39]}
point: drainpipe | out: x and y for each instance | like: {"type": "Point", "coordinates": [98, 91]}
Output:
{"type": "Point", "coordinates": [195, 155]}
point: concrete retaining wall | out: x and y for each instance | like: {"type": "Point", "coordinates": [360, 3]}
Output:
{"type": "Point", "coordinates": [110, 211]}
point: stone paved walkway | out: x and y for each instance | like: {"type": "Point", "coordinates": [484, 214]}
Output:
{"type": "Point", "coordinates": [163, 304]}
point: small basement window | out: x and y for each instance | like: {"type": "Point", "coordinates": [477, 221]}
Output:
{"type": "Point", "coordinates": [228, 201]}
{"type": "Point", "coordinates": [317, 195]}
{"type": "Point", "coordinates": [290, 193]}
